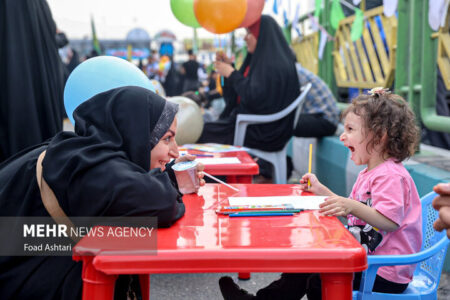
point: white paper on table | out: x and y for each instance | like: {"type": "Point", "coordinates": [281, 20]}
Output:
{"type": "Point", "coordinates": [219, 160]}
{"type": "Point", "coordinates": [298, 202]}
{"type": "Point", "coordinates": [214, 148]}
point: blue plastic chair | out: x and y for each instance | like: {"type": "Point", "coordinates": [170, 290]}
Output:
{"type": "Point", "coordinates": [430, 261]}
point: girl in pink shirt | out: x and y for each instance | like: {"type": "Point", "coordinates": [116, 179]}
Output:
{"type": "Point", "coordinates": [383, 210]}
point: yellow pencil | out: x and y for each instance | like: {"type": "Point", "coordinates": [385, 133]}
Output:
{"type": "Point", "coordinates": [310, 162]}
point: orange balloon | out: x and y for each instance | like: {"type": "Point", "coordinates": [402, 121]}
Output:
{"type": "Point", "coordinates": [220, 16]}
{"type": "Point", "coordinates": [219, 85]}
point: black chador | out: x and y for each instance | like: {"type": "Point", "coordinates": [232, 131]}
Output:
{"type": "Point", "coordinates": [101, 169]}
{"type": "Point", "coordinates": [266, 83]}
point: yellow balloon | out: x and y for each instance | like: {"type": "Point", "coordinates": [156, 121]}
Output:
{"type": "Point", "coordinates": [189, 120]}
{"type": "Point", "coordinates": [158, 88]}
{"type": "Point", "coordinates": [220, 16]}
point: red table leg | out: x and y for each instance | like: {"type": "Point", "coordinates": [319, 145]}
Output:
{"type": "Point", "coordinates": [96, 285]}
{"type": "Point", "coordinates": [144, 280]}
{"type": "Point", "coordinates": [336, 286]}
{"type": "Point", "coordinates": [241, 179]}
{"type": "Point", "coordinates": [244, 276]}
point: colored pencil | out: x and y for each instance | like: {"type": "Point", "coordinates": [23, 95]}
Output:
{"type": "Point", "coordinates": [310, 163]}
{"type": "Point", "coordinates": [269, 206]}
{"type": "Point", "coordinates": [260, 214]}
{"type": "Point", "coordinates": [258, 211]}
{"type": "Point", "coordinates": [254, 208]}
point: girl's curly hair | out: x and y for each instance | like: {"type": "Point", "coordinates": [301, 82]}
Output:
{"type": "Point", "coordinates": [387, 113]}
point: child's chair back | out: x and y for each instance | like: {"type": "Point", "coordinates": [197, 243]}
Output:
{"type": "Point", "coordinates": [430, 261]}
{"type": "Point", "coordinates": [433, 265]}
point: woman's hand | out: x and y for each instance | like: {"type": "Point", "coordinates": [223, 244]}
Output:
{"type": "Point", "coordinates": [200, 174]}
{"type": "Point", "coordinates": [316, 187]}
{"type": "Point", "coordinates": [223, 68]}
{"type": "Point", "coordinates": [200, 166]}
{"type": "Point", "coordinates": [336, 206]}
{"type": "Point", "coordinates": [221, 56]}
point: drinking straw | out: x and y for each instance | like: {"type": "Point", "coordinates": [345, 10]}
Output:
{"type": "Point", "coordinates": [220, 181]}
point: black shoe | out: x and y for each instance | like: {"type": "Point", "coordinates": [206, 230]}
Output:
{"type": "Point", "coordinates": [231, 291]}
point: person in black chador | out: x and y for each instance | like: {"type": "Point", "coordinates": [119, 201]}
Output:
{"type": "Point", "coordinates": [171, 82]}
{"type": "Point", "coordinates": [190, 71]}
{"type": "Point", "coordinates": [31, 72]}
{"type": "Point", "coordinates": [116, 163]}
{"type": "Point", "coordinates": [266, 83]}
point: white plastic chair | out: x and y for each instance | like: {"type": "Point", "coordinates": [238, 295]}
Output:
{"type": "Point", "coordinates": [276, 158]}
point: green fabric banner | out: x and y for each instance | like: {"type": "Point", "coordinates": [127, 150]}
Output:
{"type": "Point", "coordinates": [358, 25]}
{"type": "Point", "coordinates": [318, 8]}
{"type": "Point", "coordinates": [337, 14]}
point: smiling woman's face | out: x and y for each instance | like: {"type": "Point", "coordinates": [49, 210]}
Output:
{"type": "Point", "coordinates": [166, 149]}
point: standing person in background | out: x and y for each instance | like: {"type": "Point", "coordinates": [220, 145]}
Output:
{"type": "Point", "coordinates": [266, 83]}
{"type": "Point", "coordinates": [68, 55]}
{"type": "Point", "coordinates": [172, 79]}
{"type": "Point", "coordinates": [32, 76]}
{"type": "Point", "coordinates": [190, 71]}
{"type": "Point", "coordinates": [152, 65]}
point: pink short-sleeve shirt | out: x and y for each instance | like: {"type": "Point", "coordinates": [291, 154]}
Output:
{"type": "Point", "coordinates": [391, 191]}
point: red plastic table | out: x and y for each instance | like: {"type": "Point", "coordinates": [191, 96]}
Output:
{"type": "Point", "coordinates": [235, 173]}
{"type": "Point", "coordinates": [204, 242]}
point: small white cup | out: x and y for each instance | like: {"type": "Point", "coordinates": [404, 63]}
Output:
{"type": "Point", "coordinates": [187, 179]}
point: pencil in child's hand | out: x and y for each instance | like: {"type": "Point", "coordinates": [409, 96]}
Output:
{"type": "Point", "coordinates": [310, 162]}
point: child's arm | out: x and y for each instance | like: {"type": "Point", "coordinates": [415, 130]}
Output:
{"type": "Point", "coordinates": [340, 206]}
{"type": "Point", "coordinates": [315, 186]}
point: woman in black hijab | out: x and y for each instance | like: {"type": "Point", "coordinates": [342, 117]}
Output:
{"type": "Point", "coordinates": [116, 163]}
{"type": "Point", "coordinates": [266, 83]}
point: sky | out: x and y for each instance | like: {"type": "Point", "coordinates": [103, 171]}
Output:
{"type": "Point", "coordinates": [113, 18]}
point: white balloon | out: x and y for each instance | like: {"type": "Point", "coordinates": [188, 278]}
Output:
{"type": "Point", "coordinates": [189, 120]}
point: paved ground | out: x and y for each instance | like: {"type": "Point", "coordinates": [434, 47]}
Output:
{"type": "Point", "coordinates": [444, 287]}
{"type": "Point", "coordinates": [206, 287]}
{"type": "Point", "coordinates": [200, 286]}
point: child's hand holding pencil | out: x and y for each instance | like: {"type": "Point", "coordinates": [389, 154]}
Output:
{"type": "Point", "coordinates": [310, 183]}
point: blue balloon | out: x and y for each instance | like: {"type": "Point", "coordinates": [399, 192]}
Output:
{"type": "Point", "coordinates": [100, 74]}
